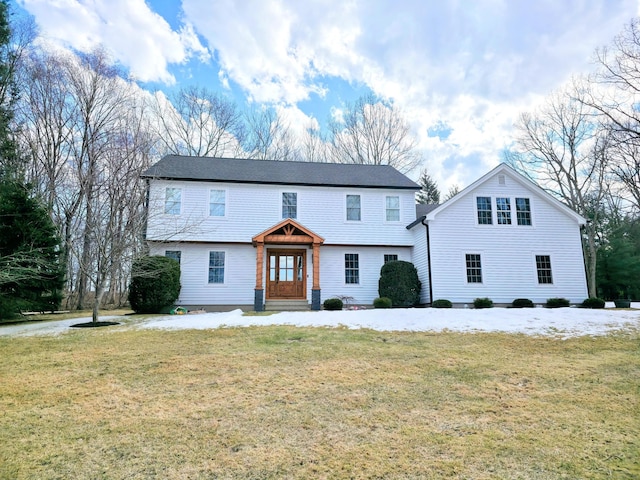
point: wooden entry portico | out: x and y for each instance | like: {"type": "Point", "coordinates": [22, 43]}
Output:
{"type": "Point", "coordinates": [286, 266]}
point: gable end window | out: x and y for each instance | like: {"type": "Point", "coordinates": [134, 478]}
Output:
{"type": "Point", "coordinates": [217, 203]}
{"type": "Point", "coordinates": [523, 211]}
{"type": "Point", "coordinates": [175, 254]}
{"type": "Point", "coordinates": [353, 208]}
{"type": "Point", "coordinates": [543, 266]}
{"type": "Point", "coordinates": [474, 268]}
{"type": "Point", "coordinates": [351, 268]}
{"type": "Point", "coordinates": [503, 211]}
{"type": "Point", "coordinates": [216, 267]}
{"type": "Point", "coordinates": [484, 210]}
{"type": "Point", "coordinates": [289, 205]}
{"type": "Point", "coordinates": [172, 201]}
{"type": "Point", "coordinates": [392, 213]}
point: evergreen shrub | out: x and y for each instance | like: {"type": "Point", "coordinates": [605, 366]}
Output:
{"type": "Point", "coordinates": [399, 282]}
{"type": "Point", "coordinates": [522, 303]}
{"type": "Point", "coordinates": [333, 304]}
{"type": "Point", "coordinates": [382, 302]}
{"type": "Point", "coordinates": [155, 284]}
{"type": "Point", "coordinates": [593, 302]}
{"type": "Point", "coordinates": [557, 303]}
{"type": "Point", "coordinates": [441, 303]}
{"type": "Point", "coordinates": [483, 303]}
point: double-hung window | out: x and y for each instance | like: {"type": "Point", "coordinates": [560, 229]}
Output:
{"type": "Point", "coordinates": [390, 257]}
{"type": "Point", "coordinates": [392, 213]}
{"type": "Point", "coordinates": [523, 211]}
{"type": "Point", "coordinates": [484, 210]}
{"type": "Point", "coordinates": [503, 210]}
{"type": "Point", "coordinates": [175, 254]}
{"type": "Point", "coordinates": [351, 268]}
{"type": "Point", "coordinates": [216, 267]}
{"type": "Point", "coordinates": [543, 266]}
{"type": "Point", "coordinates": [353, 208]}
{"type": "Point", "coordinates": [289, 205]}
{"type": "Point", "coordinates": [217, 203]}
{"type": "Point", "coordinates": [474, 268]}
{"type": "Point", "coordinates": [172, 201]}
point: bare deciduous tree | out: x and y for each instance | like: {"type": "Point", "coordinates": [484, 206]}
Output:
{"type": "Point", "coordinates": [372, 132]}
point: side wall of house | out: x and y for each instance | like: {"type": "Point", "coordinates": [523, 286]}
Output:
{"type": "Point", "coordinates": [420, 259]}
{"type": "Point", "coordinates": [508, 252]}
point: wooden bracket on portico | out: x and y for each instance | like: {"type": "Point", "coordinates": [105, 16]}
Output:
{"type": "Point", "coordinates": [287, 232]}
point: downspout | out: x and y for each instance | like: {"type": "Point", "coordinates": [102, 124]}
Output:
{"type": "Point", "coordinates": [428, 261]}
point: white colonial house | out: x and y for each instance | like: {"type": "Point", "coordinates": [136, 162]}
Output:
{"type": "Point", "coordinates": [259, 234]}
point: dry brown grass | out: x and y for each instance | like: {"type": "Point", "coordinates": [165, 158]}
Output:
{"type": "Point", "coordinates": [286, 402]}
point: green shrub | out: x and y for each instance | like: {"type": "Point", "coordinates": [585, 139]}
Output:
{"type": "Point", "coordinates": [399, 282]}
{"type": "Point", "coordinates": [522, 303]}
{"type": "Point", "coordinates": [382, 302]}
{"type": "Point", "coordinates": [333, 304]}
{"type": "Point", "coordinates": [483, 303]}
{"type": "Point", "coordinates": [593, 302]}
{"type": "Point", "coordinates": [155, 284]}
{"type": "Point", "coordinates": [441, 303]}
{"type": "Point", "coordinates": [557, 303]}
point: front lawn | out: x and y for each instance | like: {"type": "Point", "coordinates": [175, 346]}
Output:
{"type": "Point", "coordinates": [287, 402]}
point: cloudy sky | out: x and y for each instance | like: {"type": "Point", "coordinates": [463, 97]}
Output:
{"type": "Point", "coordinates": [460, 70]}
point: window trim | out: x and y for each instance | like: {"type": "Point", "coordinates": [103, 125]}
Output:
{"type": "Point", "coordinates": [168, 211]}
{"type": "Point", "coordinates": [385, 255]}
{"type": "Point", "coordinates": [346, 207]}
{"type": "Point", "coordinates": [477, 210]}
{"type": "Point", "coordinates": [542, 269]}
{"type": "Point", "coordinates": [387, 210]}
{"type": "Point", "coordinates": [224, 190]}
{"type": "Point", "coordinates": [518, 212]}
{"type": "Point", "coordinates": [179, 255]}
{"type": "Point", "coordinates": [224, 268]}
{"type": "Point", "coordinates": [503, 211]}
{"type": "Point", "coordinates": [467, 268]}
{"type": "Point", "coordinates": [282, 193]}
{"type": "Point", "coordinates": [355, 269]}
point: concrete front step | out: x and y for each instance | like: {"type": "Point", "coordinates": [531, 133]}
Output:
{"type": "Point", "coordinates": [287, 305]}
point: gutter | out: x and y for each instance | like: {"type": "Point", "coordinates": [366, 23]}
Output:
{"type": "Point", "coordinates": [426, 226]}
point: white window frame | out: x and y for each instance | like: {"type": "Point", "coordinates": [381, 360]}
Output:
{"type": "Point", "coordinates": [537, 270]}
{"type": "Point", "coordinates": [179, 256]}
{"type": "Point", "coordinates": [503, 214]}
{"type": "Point", "coordinates": [517, 222]}
{"type": "Point", "coordinates": [169, 208]}
{"type": "Point", "coordinates": [357, 269]}
{"type": "Point", "coordinates": [224, 204]}
{"type": "Point", "coordinates": [466, 269]}
{"type": "Point", "coordinates": [476, 211]}
{"type": "Point", "coordinates": [387, 209]}
{"type": "Point", "coordinates": [224, 267]}
{"type": "Point", "coordinates": [282, 204]}
{"type": "Point", "coordinates": [346, 206]}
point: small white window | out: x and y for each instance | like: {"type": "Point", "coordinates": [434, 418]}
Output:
{"type": "Point", "coordinates": [289, 205]}
{"type": "Point", "coordinates": [217, 203]}
{"type": "Point", "coordinates": [392, 209]}
{"type": "Point", "coordinates": [172, 201]}
{"type": "Point", "coordinates": [353, 208]}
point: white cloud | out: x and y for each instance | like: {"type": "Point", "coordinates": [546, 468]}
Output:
{"type": "Point", "coordinates": [137, 37]}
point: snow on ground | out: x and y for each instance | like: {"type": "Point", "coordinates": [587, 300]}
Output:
{"type": "Point", "coordinates": [560, 322]}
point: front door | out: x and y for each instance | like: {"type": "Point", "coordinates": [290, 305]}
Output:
{"type": "Point", "coordinates": [287, 274]}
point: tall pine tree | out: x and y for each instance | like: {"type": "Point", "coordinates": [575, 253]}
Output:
{"type": "Point", "coordinates": [429, 192]}
{"type": "Point", "coordinates": [30, 274]}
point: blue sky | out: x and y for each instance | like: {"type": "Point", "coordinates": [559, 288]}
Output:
{"type": "Point", "coordinates": [461, 71]}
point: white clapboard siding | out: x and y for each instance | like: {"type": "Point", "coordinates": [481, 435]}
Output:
{"type": "Point", "coordinates": [507, 251]}
{"type": "Point", "coordinates": [251, 209]}
{"type": "Point", "coordinates": [419, 259]}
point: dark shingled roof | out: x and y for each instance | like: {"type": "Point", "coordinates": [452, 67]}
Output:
{"type": "Point", "coordinates": [235, 170]}
{"type": "Point", "coordinates": [422, 209]}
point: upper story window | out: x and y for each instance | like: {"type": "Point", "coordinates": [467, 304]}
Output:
{"type": "Point", "coordinates": [474, 268]}
{"type": "Point", "coordinates": [503, 211]}
{"type": "Point", "coordinates": [392, 209]}
{"type": "Point", "coordinates": [175, 254]}
{"type": "Point", "coordinates": [289, 205]}
{"type": "Point", "coordinates": [523, 211]}
{"type": "Point", "coordinates": [351, 268]}
{"type": "Point", "coordinates": [353, 207]}
{"type": "Point", "coordinates": [172, 201]}
{"type": "Point", "coordinates": [217, 203]}
{"type": "Point", "coordinates": [484, 210]}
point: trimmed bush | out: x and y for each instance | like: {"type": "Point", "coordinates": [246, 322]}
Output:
{"type": "Point", "coordinates": [483, 303]}
{"type": "Point", "coordinates": [557, 303]}
{"type": "Point", "coordinates": [522, 303]}
{"type": "Point", "coordinates": [333, 304]}
{"type": "Point", "coordinates": [441, 303]}
{"type": "Point", "coordinates": [382, 302]}
{"type": "Point", "coordinates": [155, 284]}
{"type": "Point", "coordinates": [593, 302]}
{"type": "Point", "coordinates": [399, 282]}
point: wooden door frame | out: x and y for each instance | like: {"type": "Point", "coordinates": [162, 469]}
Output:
{"type": "Point", "coordinates": [286, 251]}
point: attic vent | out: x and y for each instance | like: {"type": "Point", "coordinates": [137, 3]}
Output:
{"type": "Point", "coordinates": [501, 180]}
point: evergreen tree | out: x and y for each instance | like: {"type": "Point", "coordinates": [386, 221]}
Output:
{"type": "Point", "coordinates": [8, 94]}
{"type": "Point", "coordinates": [31, 277]}
{"type": "Point", "coordinates": [618, 271]}
{"type": "Point", "coordinates": [429, 192]}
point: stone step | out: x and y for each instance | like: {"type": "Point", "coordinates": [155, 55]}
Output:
{"type": "Point", "coordinates": [286, 305]}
